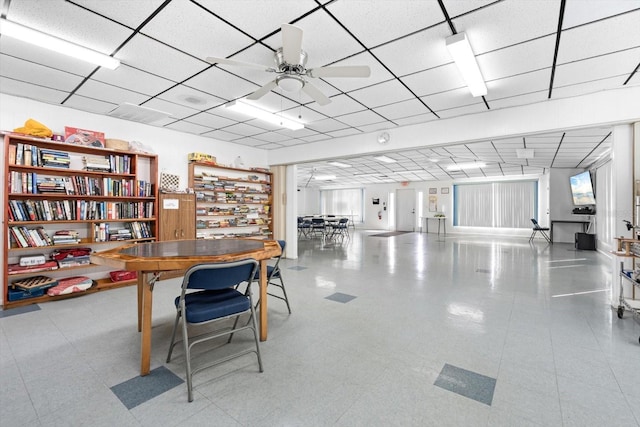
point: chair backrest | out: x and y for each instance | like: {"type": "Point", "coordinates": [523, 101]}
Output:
{"type": "Point", "coordinates": [317, 222]}
{"type": "Point", "coordinates": [535, 223]}
{"type": "Point", "coordinates": [221, 275]}
{"type": "Point", "coordinates": [343, 220]}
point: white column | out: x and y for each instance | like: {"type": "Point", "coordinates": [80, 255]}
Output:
{"type": "Point", "coordinates": [622, 197]}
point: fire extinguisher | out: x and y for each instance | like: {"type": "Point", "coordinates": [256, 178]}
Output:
{"type": "Point", "coordinates": [379, 214]}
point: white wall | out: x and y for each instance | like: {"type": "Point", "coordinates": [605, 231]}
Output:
{"type": "Point", "coordinates": [308, 201]}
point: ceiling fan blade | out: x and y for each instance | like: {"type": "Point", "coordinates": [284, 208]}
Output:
{"type": "Point", "coordinates": [262, 91]}
{"type": "Point", "coordinates": [291, 43]}
{"type": "Point", "coordinates": [341, 71]}
{"type": "Point", "coordinates": [213, 60]}
{"type": "Point", "coordinates": [315, 94]}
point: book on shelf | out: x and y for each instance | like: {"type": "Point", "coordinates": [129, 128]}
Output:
{"type": "Point", "coordinates": [18, 269]}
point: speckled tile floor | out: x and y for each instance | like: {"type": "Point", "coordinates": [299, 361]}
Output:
{"type": "Point", "coordinates": [496, 307]}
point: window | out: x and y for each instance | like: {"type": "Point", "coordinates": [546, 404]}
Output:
{"type": "Point", "coordinates": [509, 204]}
{"type": "Point", "coordinates": [347, 202]}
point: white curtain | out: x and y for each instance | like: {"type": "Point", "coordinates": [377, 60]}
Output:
{"type": "Point", "coordinates": [338, 202]}
{"type": "Point", "coordinates": [509, 204]}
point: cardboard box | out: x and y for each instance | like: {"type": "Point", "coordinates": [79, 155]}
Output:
{"type": "Point", "coordinates": [201, 157]}
{"type": "Point", "coordinates": [89, 138]}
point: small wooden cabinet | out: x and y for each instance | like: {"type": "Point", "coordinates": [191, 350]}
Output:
{"type": "Point", "coordinates": [176, 216]}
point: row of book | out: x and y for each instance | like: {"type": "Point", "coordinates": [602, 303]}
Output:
{"type": "Point", "coordinates": [33, 183]}
{"type": "Point", "coordinates": [78, 210]}
{"type": "Point", "coordinates": [24, 237]}
{"type": "Point", "coordinates": [23, 154]}
{"type": "Point", "coordinates": [225, 187]}
{"type": "Point", "coordinates": [50, 265]}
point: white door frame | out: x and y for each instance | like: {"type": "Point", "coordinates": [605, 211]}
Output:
{"type": "Point", "coordinates": [405, 209]}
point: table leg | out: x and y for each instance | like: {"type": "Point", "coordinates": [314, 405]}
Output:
{"type": "Point", "coordinates": [145, 339]}
{"type": "Point", "coordinates": [141, 280]}
{"type": "Point", "coordinates": [263, 300]}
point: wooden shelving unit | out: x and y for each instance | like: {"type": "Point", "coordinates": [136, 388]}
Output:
{"type": "Point", "coordinates": [231, 202]}
{"type": "Point", "coordinates": [57, 192]}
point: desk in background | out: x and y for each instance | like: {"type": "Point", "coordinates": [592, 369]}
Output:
{"type": "Point", "coordinates": [151, 259]}
{"type": "Point", "coordinates": [441, 220]}
{"type": "Point", "coordinates": [585, 225]}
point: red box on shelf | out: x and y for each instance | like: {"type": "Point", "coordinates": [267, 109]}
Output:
{"type": "Point", "coordinates": [89, 138]}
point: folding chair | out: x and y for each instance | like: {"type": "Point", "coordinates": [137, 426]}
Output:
{"type": "Point", "coordinates": [537, 229]}
{"type": "Point", "coordinates": [273, 273]}
{"type": "Point", "coordinates": [214, 299]}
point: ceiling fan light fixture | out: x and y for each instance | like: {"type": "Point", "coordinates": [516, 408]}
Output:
{"type": "Point", "coordinates": [38, 38]}
{"type": "Point", "coordinates": [290, 83]}
{"type": "Point", "coordinates": [462, 54]}
{"type": "Point", "coordinates": [259, 113]}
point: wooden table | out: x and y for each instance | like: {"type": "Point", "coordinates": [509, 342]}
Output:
{"type": "Point", "coordinates": [151, 259]}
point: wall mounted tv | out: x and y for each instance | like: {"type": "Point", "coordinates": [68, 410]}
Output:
{"type": "Point", "coordinates": [582, 189]}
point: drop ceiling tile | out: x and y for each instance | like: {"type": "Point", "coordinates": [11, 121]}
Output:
{"type": "Point", "coordinates": [210, 120]}
{"type": "Point", "coordinates": [292, 142]}
{"type": "Point", "coordinates": [339, 105]}
{"type": "Point", "coordinates": [344, 132]}
{"type": "Point", "coordinates": [177, 111]}
{"type": "Point", "coordinates": [45, 57]}
{"type": "Point", "coordinates": [259, 19]}
{"type": "Point", "coordinates": [374, 23]}
{"type": "Point", "coordinates": [28, 72]}
{"type": "Point", "coordinates": [304, 114]}
{"type": "Point", "coordinates": [377, 126]}
{"type": "Point", "coordinates": [600, 38]}
{"type": "Point", "coordinates": [512, 101]}
{"type": "Point", "coordinates": [365, 117]}
{"type": "Point", "coordinates": [521, 84]}
{"type": "Point", "coordinates": [399, 110]}
{"type": "Point", "coordinates": [197, 32]}
{"type": "Point", "coordinates": [274, 103]}
{"type": "Point", "coordinates": [578, 12]}
{"type": "Point", "coordinates": [221, 83]}
{"type": "Point", "coordinates": [412, 120]}
{"type": "Point", "coordinates": [346, 84]}
{"type": "Point", "coordinates": [598, 68]}
{"type": "Point", "coordinates": [271, 137]}
{"type": "Point", "coordinates": [53, 17]}
{"type": "Point", "coordinates": [451, 99]}
{"type": "Point", "coordinates": [270, 146]}
{"type": "Point", "coordinates": [88, 104]}
{"type": "Point", "coordinates": [252, 142]}
{"type": "Point", "coordinates": [324, 40]}
{"type": "Point", "coordinates": [124, 11]}
{"type": "Point", "coordinates": [297, 133]}
{"type": "Point", "coordinates": [382, 94]}
{"type": "Point", "coordinates": [314, 138]}
{"type": "Point", "coordinates": [514, 60]}
{"type": "Point", "coordinates": [435, 80]}
{"type": "Point", "coordinates": [133, 79]}
{"type": "Point", "coordinates": [221, 135]}
{"type": "Point", "coordinates": [505, 23]}
{"type": "Point", "coordinates": [191, 98]}
{"type": "Point", "coordinates": [459, 7]}
{"type": "Point", "coordinates": [243, 129]}
{"type": "Point", "coordinates": [460, 111]}
{"type": "Point", "coordinates": [29, 90]}
{"type": "Point", "coordinates": [149, 55]}
{"type": "Point", "coordinates": [105, 92]}
{"type": "Point", "coordinates": [417, 52]}
{"type": "Point", "coordinates": [184, 126]}
{"type": "Point", "coordinates": [326, 125]}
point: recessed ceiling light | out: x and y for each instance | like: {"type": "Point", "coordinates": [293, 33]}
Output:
{"type": "Point", "coordinates": [461, 166]}
{"type": "Point", "coordinates": [339, 164]}
{"type": "Point", "coordinates": [385, 159]}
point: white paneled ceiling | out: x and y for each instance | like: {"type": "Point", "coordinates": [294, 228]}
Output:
{"type": "Point", "coordinates": [163, 45]}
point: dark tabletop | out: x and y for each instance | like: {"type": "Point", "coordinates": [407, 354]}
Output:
{"type": "Point", "coordinates": [191, 248]}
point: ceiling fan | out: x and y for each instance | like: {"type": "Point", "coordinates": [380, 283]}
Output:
{"type": "Point", "coordinates": [290, 69]}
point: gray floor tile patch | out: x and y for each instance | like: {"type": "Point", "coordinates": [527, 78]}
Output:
{"type": "Point", "coordinates": [466, 383]}
{"type": "Point", "coordinates": [19, 310]}
{"type": "Point", "coordinates": [138, 390]}
{"type": "Point", "coordinates": [340, 297]}
{"type": "Point", "coordinates": [297, 268]}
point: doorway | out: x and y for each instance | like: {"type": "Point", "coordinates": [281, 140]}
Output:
{"type": "Point", "coordinates": [406, 209]}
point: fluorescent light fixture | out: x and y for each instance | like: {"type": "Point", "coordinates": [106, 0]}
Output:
{"type": "Point", "coordinates": [29, 35]}
{"type": "Point", "coordinates": [339, 164]}
{"type": "Point", "coordinates": [258, 113]}
{"type": "Point", "coordinates": [385, 159]}
{"type": "Point", "coordinates": [461, 166]}
{"type": "Point", "coordinates": [463, 56]}
{"type": "Point", "coordinates": [324, 177]}
{"type": "Point", "coordinates": [524, 153]}
{"type": "Point", "coordinates": [434, 160]}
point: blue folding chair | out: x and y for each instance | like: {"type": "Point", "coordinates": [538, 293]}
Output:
{"type": "Point", "coordinates": [274, 273]}
{"type": "Point", "coordinates": [213, 298]}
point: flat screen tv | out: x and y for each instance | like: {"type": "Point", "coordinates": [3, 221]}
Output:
{"type": "Point", "coordinates": [582, 189]}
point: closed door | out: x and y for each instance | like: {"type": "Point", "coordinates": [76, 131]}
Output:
{"type": "Point", "coordinates": [405, 210]}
